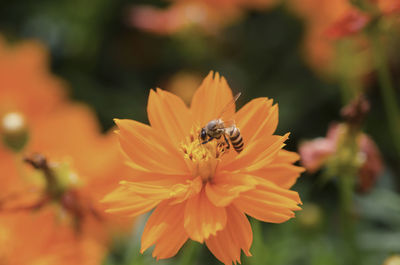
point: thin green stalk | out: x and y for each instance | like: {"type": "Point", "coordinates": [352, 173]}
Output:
{"type": "Point", "coordinates": [350, 85]}
{"type": "Point", "coordinates": [350, 247]}
{"type": "Point", "coordinates": [347, 169]}
{"type": "Point", "coordinates": [388, 92]}
{"type": "Point", "coordinates": [346, 193]}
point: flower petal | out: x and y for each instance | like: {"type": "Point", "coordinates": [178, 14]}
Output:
{"type": "Point", "coordinates": [169, 115]}
{"type": "Point", "coordinates": [141, 195]}
{"type": "Point", "coordinates": [135, 174]}
{"type": "Point", "coordinates": [257, 154]}
{"type": "Point", "coordinates": [182, 191]}
{"type": "Point", "coordinates": [211, 98]}
{"type": "Point", "coordinates": [283, 175]}
{"type": "Point", "coordinates": [202, 218]}
{"type": "Point", "coordinates": [280, 170]}
{"type": "Point", "coordinates": [124, 201]}
{"type": "Point", "coordinates": [237, 235]}
{"type": "Point", "coordinates": [269, 202]}
{"type": "Point", "coordinates": [148, 190]}
{"type": "Point", "coordinates": [165, 229]}
{"type": "Point", "coordinates": [148, 150]}
{"type": "Point", "coordinates": [256, 119]}
{"type": "Point", "coordinates": [285, 156]}
{"type": "Point", "coordinates": [226, 187]}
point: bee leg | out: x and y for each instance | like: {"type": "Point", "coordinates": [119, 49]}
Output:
{"type": "Point", "coordinates": [210, 139]}
{"type": "Point", "coordinates": [227, 142]}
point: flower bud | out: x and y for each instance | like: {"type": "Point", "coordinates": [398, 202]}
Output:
{"type": "Point", "coordinates": [13, 131]}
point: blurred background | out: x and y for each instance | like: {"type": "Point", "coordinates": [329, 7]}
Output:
{"type": "Point", "coordinates": [111, 53]}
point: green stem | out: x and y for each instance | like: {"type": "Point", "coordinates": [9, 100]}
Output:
{"type": "Point", "coordinates": [350, 85]}
{"type": "Point", "coordinates": [388, 92]}
{"type": "Point", "coordinates": [346, 193]}
{"type": "Point", "coordinates": [189, 254]}
{"type": "Point", "coordinates": [350, 248]}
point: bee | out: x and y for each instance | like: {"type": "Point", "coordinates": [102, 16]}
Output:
{"type": "Point", "coordinates": [215, 129]}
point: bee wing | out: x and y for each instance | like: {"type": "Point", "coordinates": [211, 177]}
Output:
{"type": "Point", "coordinates": [229, 123]}
{"type": "Point", "coordinates": [229, 105]}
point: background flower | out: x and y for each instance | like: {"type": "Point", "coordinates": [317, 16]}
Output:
{"type": "Point", "coordinates": [65, 204]}
{"type": "Point", "coordinates": [27, 86]}
{"type": "Point", "coordinates": [184, 14]}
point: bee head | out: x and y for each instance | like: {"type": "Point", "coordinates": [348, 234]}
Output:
{"type": "Point", "coordinates": [203, 134]}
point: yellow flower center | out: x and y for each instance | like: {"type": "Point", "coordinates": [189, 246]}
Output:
{"type": "Point", "coordinates": [202, 159]}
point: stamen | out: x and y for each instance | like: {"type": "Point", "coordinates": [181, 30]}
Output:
{"type": "Point", "coordinates": [202, 159]}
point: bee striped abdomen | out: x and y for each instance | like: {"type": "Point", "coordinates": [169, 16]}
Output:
{"type": "Point", "coordinates": [236, 139]}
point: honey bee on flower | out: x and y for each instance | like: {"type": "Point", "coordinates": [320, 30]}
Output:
{"type": "Point", "coordinates": [200, 192]}
{"type": "Point", "coordinates": [217, 128]}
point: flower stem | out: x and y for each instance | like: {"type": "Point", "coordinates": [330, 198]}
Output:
{"type": "Point", "coordinates": [350, 85]}
{"type": "Point", "coordinates": [346, 193]}
{"type": "Point", "coordinates": [387, 88]}
{"type": "Point", "coordinates": [348, 225]}
{"type": "Point", "coordinates": [189, 254]}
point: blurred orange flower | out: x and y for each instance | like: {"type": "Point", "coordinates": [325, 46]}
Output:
{"type": "Point", "coordinates": [61, 195]}
{"type": "Point", "coordinates": [208, 15]}
{"type": "Point", "coordinates": [318, 16]}
{"type": "Point", "coordinates": [39, 239]}
{"type": "Point", "coordinates": [355, 20]}
{"type": "Point", "coordinates": [184, 84]}
{"type": "Point", "coordinates": [200, 191]}
{"type": "Point", "coordinates": [388, 7]}
{"type": "Point", "coordinates": [28, 93]}
{"type": "Point", "coordinates": [26, 85]}
{"type": "Point", "coordinates": [351, 23]}
{"type": "Point", "coordinates": [51, 212]}
{"type": "Point", "coordinates": [327, 21]}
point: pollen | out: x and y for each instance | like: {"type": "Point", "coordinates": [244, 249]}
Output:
{"type": "Point", "coordinates": [202, 159]}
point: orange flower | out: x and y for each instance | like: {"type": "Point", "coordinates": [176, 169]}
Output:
{"type": "Point", "coordinates": [28, 91]}
{"type": "Point", "coordinates": [182, 15]}
{"type": "Point", "coordinates": [202, 191]}
{"type": "Point", "coordinates": [354, 20]}
{"type": "Point", "coordinates": [209, 15]}
{"type": "Point", "coordinates": [54, 217]}
{"type": "Point", "coordinates": [26, 85]}
{"type": "Point", "coordinates": [82, 164]}
{"type": "Point", "coordinates": [39, 239]}
{"type": "Point", "coordinates": [318, 48]}
{"type": "Point", "coordinates": [184, 84]}
{"type": "Point", "coordinates": [335, 20]}
{"type": "Point", "coordinates": [351, 23]}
